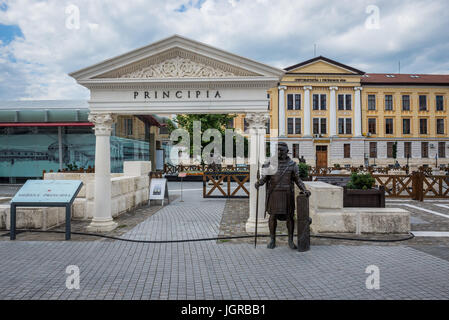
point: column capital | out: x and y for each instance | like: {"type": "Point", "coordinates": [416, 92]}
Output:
{"type": "Point", "coordinates": [282, 87]}
{"type": "Point", "coordinates": [103, 123]}
{"type": "Point", "coordinates": [358, 88]}
{"type": "Point", "coordinates": [308, 88]}
{"type": "Point", "coordinates": [333, 88]}
{"type": "Point", "coordinates": [257, 120]}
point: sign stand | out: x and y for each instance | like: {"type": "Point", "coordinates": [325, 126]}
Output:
{"type": "Point", "coordinates": [46, 193]}
{"type": "Point", "coordinates": [159, 190]}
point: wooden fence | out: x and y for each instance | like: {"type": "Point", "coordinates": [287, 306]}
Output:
{"type": "Point", "coordinates": [417, 186]}
{"type": "Point", "coordinates": [228, 181]}
{"type": "Point", "coordinates": [175, 169]}
{"type": "Point", "coordinates": [231, 181]}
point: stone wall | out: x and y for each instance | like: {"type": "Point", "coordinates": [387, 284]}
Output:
{"type": "Point", "coordinates": [129, 190]}
{"type": "Point", "coordinates": [329, 216]}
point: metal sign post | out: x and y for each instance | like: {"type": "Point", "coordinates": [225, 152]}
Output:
{"type": "Point", "coordinates": [257, 192]}
{"type": "Point", "coordinates": [181, 175]}
{"type": "Point", "coordinates": [46, 193]}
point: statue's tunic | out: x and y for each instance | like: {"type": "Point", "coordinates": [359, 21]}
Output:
{"type": "Point", "coordinates": [280, 199]}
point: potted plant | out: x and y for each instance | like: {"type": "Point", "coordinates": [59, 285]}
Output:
{"type": "Point", "coordinates": [304, 171]}
{"type": "Point", "coordinates": [360, 192]}
{"type": "Point", "coordinates": [336, 169]}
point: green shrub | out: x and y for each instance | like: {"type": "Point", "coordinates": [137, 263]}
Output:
{"type": "Point", "coordinates": [337, 166]}
{"type": "Point", "coordinates": [303, 170]}
{"type": "Point", "coordinates": [361, 181]}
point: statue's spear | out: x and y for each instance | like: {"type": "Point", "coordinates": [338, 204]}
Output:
{"type": "Point", "coordinates": [257, 189]}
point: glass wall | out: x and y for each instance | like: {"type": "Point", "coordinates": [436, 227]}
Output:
{"type": "Point", "coordinates": [26, 151]}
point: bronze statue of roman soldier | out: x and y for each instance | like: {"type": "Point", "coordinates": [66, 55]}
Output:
{"type": "Point", "coordinates": [280, 196]}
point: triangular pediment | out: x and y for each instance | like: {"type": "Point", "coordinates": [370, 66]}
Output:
{"type": "Point", "coordinates": [176, 57]}
{"type": "Point", "coordinates": [178, 63]}
{"type": "Point", "coordinates": [322, 65]}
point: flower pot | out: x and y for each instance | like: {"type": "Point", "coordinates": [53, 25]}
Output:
{"type": "Point", "coordinates": [359, 198]}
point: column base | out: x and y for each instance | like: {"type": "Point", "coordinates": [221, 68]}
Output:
{"type": "Point", "coordinates": [102, 226]}
{"type": "Point", "coordinates": [262, 226]}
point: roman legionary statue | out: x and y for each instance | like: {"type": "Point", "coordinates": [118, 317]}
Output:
{"type": "Point", "coordinates": [280, 199]}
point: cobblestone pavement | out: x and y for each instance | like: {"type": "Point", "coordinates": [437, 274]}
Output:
{"type": "Point", "coordinates": [125, 222]}
{"type": "Point", "coordinates": [211, 270]}
{"type": "Point", "coordinates": [235, 216]}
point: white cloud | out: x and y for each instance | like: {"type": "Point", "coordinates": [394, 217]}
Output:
{"type": "Point", "coordinates": [280, 33]}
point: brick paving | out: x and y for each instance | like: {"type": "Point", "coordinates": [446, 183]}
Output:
{"type": "Point", "coordinates": [211, 270]}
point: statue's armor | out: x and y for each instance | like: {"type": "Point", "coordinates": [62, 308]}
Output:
{"type": "Point", "coordinates": [280, 199]}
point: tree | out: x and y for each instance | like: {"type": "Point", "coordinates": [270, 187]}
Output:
{"type": "Point", "coordinates": [208, 121]}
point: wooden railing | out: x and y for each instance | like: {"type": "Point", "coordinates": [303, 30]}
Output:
{"type": "Point", "coordinates": [233, 180]}
{"type": "Point", "coordinates": [416, 186]}
{"type": "Point", "coordinates": [396, 186]}
{"type": "Point", "coordinates": [175, 169]}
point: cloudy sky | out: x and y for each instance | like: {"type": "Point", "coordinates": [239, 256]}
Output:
{"type": "Point", "coordinates": [42, 41]}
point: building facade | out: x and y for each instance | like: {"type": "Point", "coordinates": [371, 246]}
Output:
{"type": "Point", "coordinates": [330, 113]}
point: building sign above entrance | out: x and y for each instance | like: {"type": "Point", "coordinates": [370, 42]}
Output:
{"type": "Point", "coordinates": [320, 80]}
{"type": "Point", "coordinates": [176, 94]}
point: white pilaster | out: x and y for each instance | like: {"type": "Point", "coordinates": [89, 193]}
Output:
{"type": "Point", "coordinates": [357, 113]}
{"type": "Point", "coordinates": [281, 110]}
{"type": "Point", "coordinates": [102, 218]}
{"type": "Point", "coordinates": [307, 127]}
{"type": "Point", "coordinates": [256, 122]}
{"type": "Point", "coordinates": [333, 113]}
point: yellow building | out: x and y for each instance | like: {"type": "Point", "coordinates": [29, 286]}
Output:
{"type": "Point", "coordinates": [330, 113]}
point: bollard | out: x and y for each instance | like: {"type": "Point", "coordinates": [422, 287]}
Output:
{"type": "Point", "coordinates": [303, 222]}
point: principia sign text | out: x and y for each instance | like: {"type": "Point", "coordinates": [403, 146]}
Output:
{"type": "Point", "coordinates": [177, 94]}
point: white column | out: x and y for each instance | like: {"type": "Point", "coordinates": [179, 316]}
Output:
{"type": "Point", "coordinates": [357, 112]}
{"type": "Point", "coordinates": [307, 128]}
{"type": "Point", "coordinates": [333, 113]}
{"type": "Point", "coordinates": [256, 122]}
{"type": "Point", "coordinates": [281, 111]}
{"type": "Point", "coordinates": [102, 218]}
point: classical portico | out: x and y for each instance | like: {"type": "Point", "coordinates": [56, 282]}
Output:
{"type": "Point", "coordinates": [175, 76]}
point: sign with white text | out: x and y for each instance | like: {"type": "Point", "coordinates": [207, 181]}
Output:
{"type": "Point", "coordinates": [42, 191]}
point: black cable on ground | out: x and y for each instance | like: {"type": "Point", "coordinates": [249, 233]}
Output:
{"type": "Point", "coordinates": [410, 236]}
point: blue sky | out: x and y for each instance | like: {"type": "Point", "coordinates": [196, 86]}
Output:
{"type": "Point", "coordinates": [40, 44]}
{"type": "Point", "coordinates": [9, 33]}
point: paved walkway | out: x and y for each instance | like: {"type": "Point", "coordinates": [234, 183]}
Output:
{"type": "Point", "coordinates": [210, 270]}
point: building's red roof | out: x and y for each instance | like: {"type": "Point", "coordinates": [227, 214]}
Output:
{"type": "Point", "coordinates": [396, 78]}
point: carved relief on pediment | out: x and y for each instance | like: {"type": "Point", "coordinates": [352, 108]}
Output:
{"type": "Point", "coordinates": [179, 67]}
